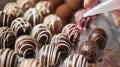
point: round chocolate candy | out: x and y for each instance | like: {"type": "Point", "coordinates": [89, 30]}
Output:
{"type": "Point", "coordinates": [25, 46]}
{"type": "Point", "coordinates": [44, 8]}
{"type": "Point", "coordinates": [76, 60]}
{"type": "Point", "coordinates": [82, 23]}
{"type": "Point", "coordinates": [26, 4]}
{"type": "Point", "coordinates": [63, 43]}
{"type": "Point", "coordinates": [7, 37]}
{"type": "Point", "coordinates": [54, 23]}
{"type": "Point", "coordinates": [100, 36]}
{"type": "Point", "coordinates": [75, 4]}
{"type": "Point", "coordinates": [41, 33]}
{"type": "Point", "coordinates": [72, 32]}
{"type": "Point", "coordinates": [9, 5]}
{"type": "Point", "coordinates": [90, 50]}
{"type": "Point", "coordinates": [31, 63]}
{"type": "Point", "coordinates": [4, 19]}
{"type": "Point", "coordinates": [33, 16]}
{"type": "Point", "coordinates": [13, 11]}
{"type": "Point", "coordinates": [21, 26]}
{"type": "Point", "coordinates": [49, 56]}
{"type": "Point", "coordinates": [8, 58]}
{"type": "Point", "coordinates": [65, 13]}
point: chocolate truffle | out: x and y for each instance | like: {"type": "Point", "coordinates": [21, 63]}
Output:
{"type": "Point", "coordinates": [7, 37]}
{"type": "Point", "coordinates": [63, 43]}
{"type": "Point", "coordinates": [33, 16]}
{"type": "Point", "coordinates": [72, 32]}
{"type": "Point", "coordinates": [21, 26]}
{"type": "Point", "coordinates": [4, 19]}
{"type": "Point", "coordinates": [90, 50]}
{"type": "Point", "coordinates": [45, 8]}
{"type": "Point", "coordinates": [100, 36]}
{"type": "Point", "coordinates": [13, 12]}
{"type": "Point", "coordinates": [25, 4]}
{"type": "Point", "coordinates": [25, 46]}
{"type": "Point", "coordinates": [49, 56]}
{"type": "Point", "coordinates": [54, 23]}
{"type": "Point", "coordinates": [82, 23]}
{"type": "Point", "coordinates": [8, 58]}
{"type": "Point", "coordinates": [65, 13]}
{"type": "Point", "coordinates": [76, 60]}
{"type": "Point", "coordinates": [75, 4]}
{"type": "Point", "coordinates": [41, 33]}
{"type": "Point", "coordinates": [56, 3]}
{"type": "Point", "coordinates": [31, 63]}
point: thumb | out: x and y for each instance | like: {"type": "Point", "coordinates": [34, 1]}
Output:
{"type": "Point", "coordinates": [116, 15]}
{"type": "Point", "coordinates": [90, 3]}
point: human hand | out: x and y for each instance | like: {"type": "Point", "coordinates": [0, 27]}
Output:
{"type": "Point", "coordinates": [115, 13]}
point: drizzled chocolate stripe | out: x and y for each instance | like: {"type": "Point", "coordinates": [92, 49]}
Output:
{"type": "Point", "coordinates": [25, 46]}
{"type": "Point", "coordinates": [75, 60]}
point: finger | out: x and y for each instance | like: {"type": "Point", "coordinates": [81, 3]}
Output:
{"type": "Point", "coordinates": [89, 3]}
{"type": "Point", "coordinates": [116, 15]}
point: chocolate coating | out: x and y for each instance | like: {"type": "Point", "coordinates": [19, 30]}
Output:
{"type": "Point", "coordinates": [41, 33]}
{"type": "Point", "coordinates": [90, 50]}
{"type": "Point", "coordinates": [13, 11]}
{"type": "Point", "coordinates": [75, 60]}
{"type": "Point", "coordinates": [33, 16]}
{"type": "Point", "coordinates": [65, 13]}
{"type": "Point", "coordinates": [49, 56]}
{"type": "Point", "coordinates": [7, 38]}
{"type": "Point", "coordinates": [21, 26]}
{"type": "Point", "coordinates": [8, 58]}
{"type": "Point", "coordinates": [54, 23]}
{"type": "Point", "coordinates": [25, 46]}
{"type": "Point", "coordinates": [75, 4]}
{"type": "Point", "coordinates": [63, 43]}
{"type": "Point", "coordinates": [100, 36]}
{"type": "Point", "coordinates": [44, 8]}
{"type": "Point", "coordinates": [4, 19]}
{"type": "Point", "coordinates": [31, 63]}
{"type": "Point", "coordinates": [72, 32]}
{"type": "Point", "coordinates": [82, 23]}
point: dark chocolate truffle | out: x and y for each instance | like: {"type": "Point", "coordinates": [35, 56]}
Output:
{"type": "Point", "coordinates": [7, 37]}
{"type": "Point", "coordinates": [75, 60]}
{"type": "Point", "coordinates": [65, 13]}
{"type": "Point", "coordinates": [41, 33]}
{"type": "Point", "coordinates": [10, 4]}
{"type": "Point", "coordinates": [21, 26]}
{"type": "Point", "coordinates": [31, 63]}
{"type": "Point", "coordinates": [4, 19]}
{"type": "Point", "coordinates": [90, 50]}
{"type": "Point", "coordinates": [25, 46]}
{"type": "Point", "coordinates": [54, 23]}
{"type": "Point", "coordinates": [82, 23]}
{"type": "Point", "coordinates": [72, 32]}
{"type": "Point", "coordinates": [44, 8]}
{"type": "Point", "coordinates": [63, 43]}
{"type": "Point", "coordinates": [8, 58]}
{"type": "Point", "coordinates": [26, 4]}
{"type": "Point", "coordinates": [13, 12]}
{"type": "Point", "coordinates": [56, 3]}
{"type": "Point", "coordinates": [75, 4]}
{"type": "Point", "coordinates": [100, 36]}
{"type": "Point", "coordinates": [49, 56]}
{"type": "Point", "coordinates": [33, 16]}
